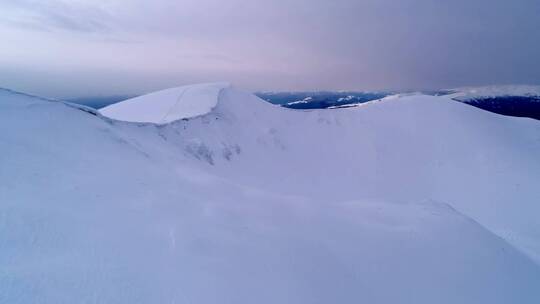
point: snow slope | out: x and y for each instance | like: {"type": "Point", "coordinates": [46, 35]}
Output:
{"type": "Point", "coordinates": [168, 105]}
{"type": "Point", "coordinates": [414, 199]}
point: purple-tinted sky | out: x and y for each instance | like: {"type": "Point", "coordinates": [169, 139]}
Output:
{"type": "Point", "coordinates": [101, 47]}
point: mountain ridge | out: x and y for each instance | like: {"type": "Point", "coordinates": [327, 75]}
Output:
{"type": "Point", "coordinates": [259, 203]}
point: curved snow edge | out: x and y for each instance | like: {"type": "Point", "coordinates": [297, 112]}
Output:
{"type": "Point", "coordinates": [169, 105]}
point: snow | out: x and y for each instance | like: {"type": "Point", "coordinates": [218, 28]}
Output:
{"type": "Point", "coordinates": [411, 199]}
{"type": "Point", "coordinates": [468, 93]}
{"type": "Point", "coordinates": [349, 97]}
{"type": "Point", "coordinates": [168, 105]}
{"type": "Point", "coordinates": [305, 100]}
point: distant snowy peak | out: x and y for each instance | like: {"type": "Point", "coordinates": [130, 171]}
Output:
{"type": "Point", "coordinates": [469, 93]}
{"type": "Point", "coordinates": [348, 98]}
{"type": "Point", "coordinates": [305, 100]}
{"type": "Point", "coordinates": [168, 105]}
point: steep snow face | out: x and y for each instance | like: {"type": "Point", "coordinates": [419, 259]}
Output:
{"type": "Point", "coordinates": [168, 105]}
{"type": "Point", "coordinates": [408, 200]}
{"type": "Point", "coordinates": [469, 93]}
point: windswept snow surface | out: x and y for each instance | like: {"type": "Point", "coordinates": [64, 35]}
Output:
{"type": "Point", "coordinates": [166, 106]}
{"type": "Point", "coordinates": [412, 199]}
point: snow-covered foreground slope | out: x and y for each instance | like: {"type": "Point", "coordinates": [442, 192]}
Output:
{"type": "Point", "coordinates": [409, 200]}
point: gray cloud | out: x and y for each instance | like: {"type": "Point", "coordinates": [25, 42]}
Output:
{"type": "Point", "coordinates": [279, 44]}
{"type": "Point", "coordinates": [55, 15]}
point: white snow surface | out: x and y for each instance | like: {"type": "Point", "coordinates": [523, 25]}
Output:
{"type": "Point", "coordinates": [467, 93]}
{"type": "Point", "coordinates": [412, 199]}
{"type": "Point", "coordinates": [168, 105]}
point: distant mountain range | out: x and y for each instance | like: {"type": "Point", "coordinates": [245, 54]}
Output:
{"type": "Point", "coordinates": [319, 100]}
{"type": "Point", "coordinates": [517, 100]}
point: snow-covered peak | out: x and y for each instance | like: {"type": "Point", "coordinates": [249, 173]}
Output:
{"type": "Point", "coordinates": [168, 105]}
{"type": "Point", "coordinates": [468, 93]}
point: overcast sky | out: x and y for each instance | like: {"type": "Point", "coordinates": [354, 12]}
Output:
{"type": "Point", "coordinates": [101, 47]}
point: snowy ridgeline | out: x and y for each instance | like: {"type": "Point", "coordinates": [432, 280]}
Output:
{"type": "Point", "coordinates": [229, 199]}
{"type": "Point", "coordinates": [516, 100]}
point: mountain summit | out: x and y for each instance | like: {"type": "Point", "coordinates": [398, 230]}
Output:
{"type": "Point", "coordinates": [167, 105]}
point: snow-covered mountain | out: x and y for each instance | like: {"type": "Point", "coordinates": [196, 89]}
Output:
{"type": "Point", "coordinates": [224, 198]}
{"type": "Point", "coordinates": [511, 100]}
{"type": "Point", "coordinates": [167, 106]}
{"type": "Point", "coordinates": [468, 93]}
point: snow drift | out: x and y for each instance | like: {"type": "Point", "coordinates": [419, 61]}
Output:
{"type": "Point", "coordinates": [413, 199]}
